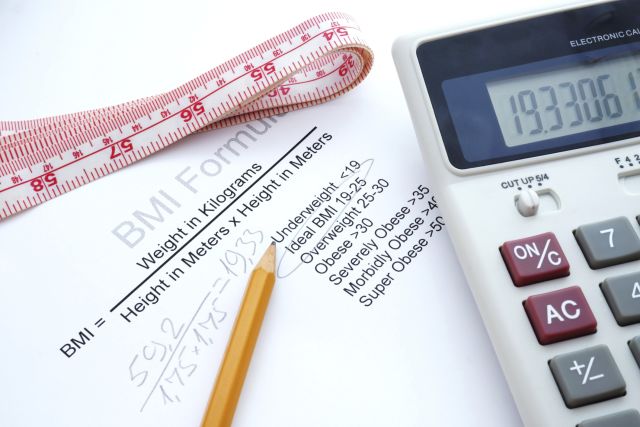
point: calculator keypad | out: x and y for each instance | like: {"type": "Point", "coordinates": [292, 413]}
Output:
{"type": "Point", "coordinates": [623, 295]}
{"type": "Point", "coordinates": [534, 259]}
{"type": "Point", "coordinates": [587, 376]}
{"type": "Point", "coordinates": [609, 242]}
{"type": "Point", "coordinates": [560, 315]}
{"type": "Point", "coordinates": [629, 418]}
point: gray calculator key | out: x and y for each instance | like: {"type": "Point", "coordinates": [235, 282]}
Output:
{"type": "Point", "coordinates": [628, 418]}
{"type": "Point", "coordinates": [623, 295]}
{"type": "Point", "coordinates": [608, 242]}
{"type": "Point", "coordinates": [587, 376]}
{"type": "Point", "coordinates": [634, 345]}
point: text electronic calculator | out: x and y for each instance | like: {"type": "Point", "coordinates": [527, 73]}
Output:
{"type": "Point", "coordinates": [531, 131]}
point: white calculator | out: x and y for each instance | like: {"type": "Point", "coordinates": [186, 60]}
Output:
{"type": "Point", "coordinates": [530, 129]}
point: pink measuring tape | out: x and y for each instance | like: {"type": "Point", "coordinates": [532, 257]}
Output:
{"type": "Point", "coordinates": [313, 62]}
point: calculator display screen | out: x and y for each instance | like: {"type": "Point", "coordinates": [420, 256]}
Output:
{"type": "Point", "coordinates": [538, 86]}
{"type": "Point", "coordinates": [567, 101]}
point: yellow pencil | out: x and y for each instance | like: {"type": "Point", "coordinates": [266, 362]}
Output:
{"type": "Point", "coordinates": [224, 398]}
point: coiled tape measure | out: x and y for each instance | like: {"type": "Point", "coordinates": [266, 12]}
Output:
{"type": "Point", "coordinates": [311, 63]}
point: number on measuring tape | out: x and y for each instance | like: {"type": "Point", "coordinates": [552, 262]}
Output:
{"type": "Point", "coordinates": [121, 148]}
{"type": "Point", "coordinates": [262, 73]}
{"type": "Point", "coordinates": [190, 112]}
{"type": "Point", "coordinates": [313, 62]}
{"type": "Point", "coordinates": [47, 180]}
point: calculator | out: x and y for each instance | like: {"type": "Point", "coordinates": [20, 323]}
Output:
{"type": "Point", "coordinates": [530, 129]}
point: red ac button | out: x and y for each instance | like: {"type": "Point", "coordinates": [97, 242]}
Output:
{"type": "Point", "coordinates": [569, 310]}
{"type": "Point", "coordinates": [560, 315]}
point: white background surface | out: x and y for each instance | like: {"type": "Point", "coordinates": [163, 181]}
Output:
{"type": "Point", "coordinates": [69, 56]}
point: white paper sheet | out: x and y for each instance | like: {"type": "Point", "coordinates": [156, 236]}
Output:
{"type": "Point", "coordinates": [418, 355]}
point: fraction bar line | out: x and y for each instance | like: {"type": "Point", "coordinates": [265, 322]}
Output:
{"type": "Point", "coordinates": [211, 221]}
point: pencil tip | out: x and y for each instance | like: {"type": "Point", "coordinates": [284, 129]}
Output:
{"type": "Point", "coordinates": [268, 260]}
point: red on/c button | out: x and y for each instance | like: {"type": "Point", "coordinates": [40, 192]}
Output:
{"type": "Point", "coordinates": [534, 259]}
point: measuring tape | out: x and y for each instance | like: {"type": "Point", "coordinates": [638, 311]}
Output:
{"type": "Point", "coordinates": [311, 63]}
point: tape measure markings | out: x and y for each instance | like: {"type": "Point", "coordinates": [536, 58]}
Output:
{"type": "Point", "coordinates": [57, 119]}
{"type": "Point", "coordinates": [130, 119]}
{"type": "Point", "coordinates": [277, 84]}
